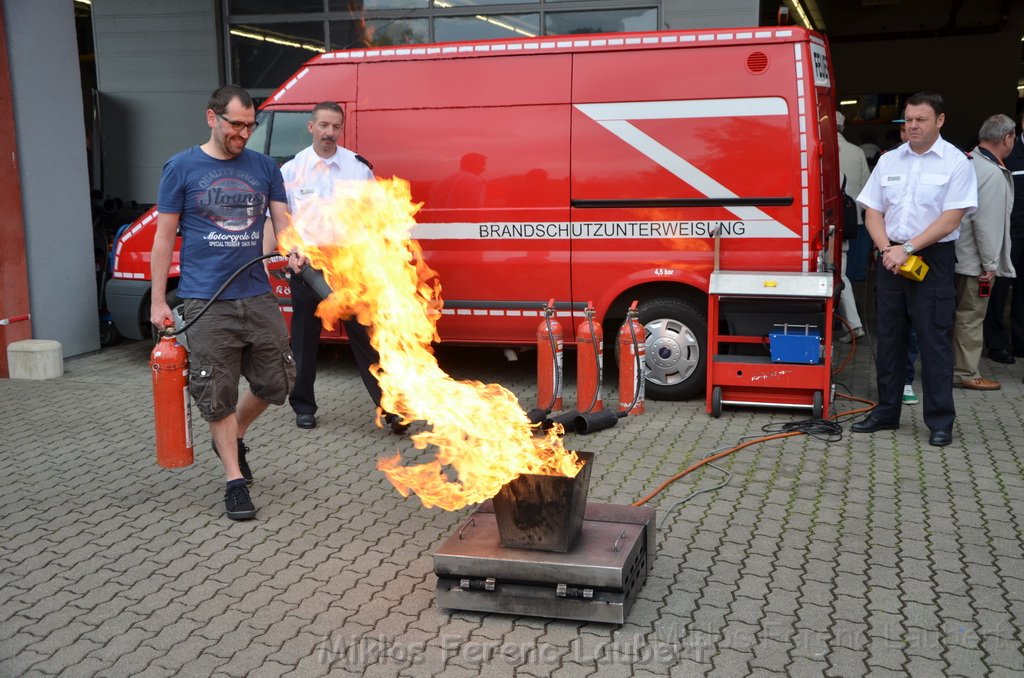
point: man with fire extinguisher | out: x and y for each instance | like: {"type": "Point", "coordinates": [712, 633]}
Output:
{"type": "Point", "coordinates": [310, 177]}
{"type": "Point", "coordinates": [218, 194]}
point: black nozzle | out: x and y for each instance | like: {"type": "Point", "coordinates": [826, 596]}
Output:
{"type": "Point", "coordinates": [566, 419]}
{"type": "Point", "coordinates": [538, 415]}
{"type": "Point", "coordinates": [314, 279]}
{"type": "Point", "coordinates": [591, 422]}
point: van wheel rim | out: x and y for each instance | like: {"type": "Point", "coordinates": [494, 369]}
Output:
{"type": "Point", "coordinates": [672, 352]}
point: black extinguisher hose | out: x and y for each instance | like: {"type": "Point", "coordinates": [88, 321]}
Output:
{"type": "Point", "coordinates": [167, 331]}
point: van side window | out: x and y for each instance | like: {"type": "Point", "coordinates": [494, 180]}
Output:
{"type": "Point", "coordinates": [288, 135]}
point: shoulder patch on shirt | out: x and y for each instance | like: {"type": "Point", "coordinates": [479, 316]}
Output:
{"type": "Point", "coordinates": [364, 161]}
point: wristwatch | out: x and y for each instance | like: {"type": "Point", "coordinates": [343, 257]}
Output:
{"type": "Point", "coordinates": [908, 248]}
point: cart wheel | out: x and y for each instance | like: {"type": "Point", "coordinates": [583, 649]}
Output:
{"type": "Point", "coordinates": [716, 402]}
{"type": "Point", "coordinates": [816, 405]}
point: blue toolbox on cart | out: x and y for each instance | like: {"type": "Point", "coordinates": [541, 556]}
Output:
{"type": "Point", "coordinates": [795, 344]}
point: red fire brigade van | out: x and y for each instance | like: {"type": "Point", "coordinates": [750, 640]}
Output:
{"type": "Point", "coordinates": [577, 168]}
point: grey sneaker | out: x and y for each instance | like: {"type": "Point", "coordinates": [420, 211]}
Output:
{"type": "Point", "coordinates": [238, 503]}
{"type": "Point", "coordinates": [857, 333]}
{"type": "Point", "coordinates": [909, 397]}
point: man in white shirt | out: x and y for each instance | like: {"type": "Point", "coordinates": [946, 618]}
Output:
{"type": "Point", "coordinates": [309, 178]}
{"type": "Point", "coordinates": [915, 200]}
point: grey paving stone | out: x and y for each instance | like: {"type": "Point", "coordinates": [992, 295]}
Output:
{"type": "Point", "coordinates": [866, 557]}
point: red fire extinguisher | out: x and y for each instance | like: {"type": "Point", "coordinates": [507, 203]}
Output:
{"type": "Point", "coordinates": [589, 363]}
{"type": "Point", "coordinates": [632, 357]}
{"type": "Point", "coordinates": [171, 412]}
{"type": "Point", "coordinates": [549, 361]}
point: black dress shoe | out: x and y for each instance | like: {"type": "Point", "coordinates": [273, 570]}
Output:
{"type": "Point", "coordinates": [871, 424]}
{"type": "Point", "coordinates": [1001, 355]}
{"type": "Point", "coordinates": [305, 420]}
{"type": "Point", "coordinates": [940, 438]}
{"type": "Point", "coordinates": [395, 422]}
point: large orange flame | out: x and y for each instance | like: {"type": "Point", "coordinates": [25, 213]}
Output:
{"type": "Point", "coordinates": [482, 436]}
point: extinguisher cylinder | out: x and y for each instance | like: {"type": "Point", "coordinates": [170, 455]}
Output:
{"type": "Point", "coordinates": [632, 358]}
{"type": "Point", "coordinates": [589, 364]}
{"type": "Point", "coordinates": [172, 415]}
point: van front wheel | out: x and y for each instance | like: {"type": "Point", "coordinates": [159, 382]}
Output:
{"type": "Point", "coordinates": [676, 339]}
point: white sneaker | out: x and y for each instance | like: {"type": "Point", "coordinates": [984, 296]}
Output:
{"type": "Point", "coordinates": [909, 397]}
{"type": "Point", "coordinates": [848, 337]}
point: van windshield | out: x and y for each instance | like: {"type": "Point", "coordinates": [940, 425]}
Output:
{"type": "Point", "coordinates": [288, 134]}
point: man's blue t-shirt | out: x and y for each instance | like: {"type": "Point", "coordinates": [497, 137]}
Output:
{"type": "Point", "coordinates": [223, 206]}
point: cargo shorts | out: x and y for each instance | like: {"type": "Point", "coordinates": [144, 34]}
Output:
{"type": "Point", "coordinates": [237, 338]}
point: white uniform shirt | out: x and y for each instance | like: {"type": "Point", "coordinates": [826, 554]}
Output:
{"type": "Point", "coordinates": [911, 190]}
{"type": "Point", "coordinates": [311, 181]}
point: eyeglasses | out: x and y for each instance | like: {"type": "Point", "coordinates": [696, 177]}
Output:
{"type": "Point", "coordinates": [237, 125]}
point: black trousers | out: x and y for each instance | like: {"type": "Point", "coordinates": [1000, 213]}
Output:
{"type": "Point", "coordinates": [306, 328]}
{"type": "Point", "coordinates": [996, 336]}
{"type": "Point", "coordinates": [929, 306]}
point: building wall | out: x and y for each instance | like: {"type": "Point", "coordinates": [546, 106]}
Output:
{"type": "Point", "coordinates": [976, 75]}
{"type": "Point", "coordinates": [156, 64]}
{"type": "Point", "coordinates": [43, 56]}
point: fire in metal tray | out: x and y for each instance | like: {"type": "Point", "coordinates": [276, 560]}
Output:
{"type": "Point", "coordinates": [482, 437]}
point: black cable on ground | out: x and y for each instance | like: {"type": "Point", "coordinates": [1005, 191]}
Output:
{"type": "Point", "coordinates": [828, 430]}
{"type": "Point", "coordinates": [822, 429]}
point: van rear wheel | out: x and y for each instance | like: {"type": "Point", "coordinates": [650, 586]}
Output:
{"type": "Point", "coordinates": [676, 362]}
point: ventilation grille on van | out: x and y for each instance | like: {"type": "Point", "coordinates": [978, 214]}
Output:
{"type": "Point", "coordinates": [757, 62]}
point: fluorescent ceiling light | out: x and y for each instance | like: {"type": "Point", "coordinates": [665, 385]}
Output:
{"type": "Point", "coordinates": [804, 19]}
{"type": "Point", "coordinates": [262, 37]}
{"type": "Point", "coordinates": [489, 20]}
{"type": "Point", "coordinates": [847, 102]}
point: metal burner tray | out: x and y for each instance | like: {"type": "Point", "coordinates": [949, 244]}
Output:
{"type": "Point", "coordinates": [597, 580]}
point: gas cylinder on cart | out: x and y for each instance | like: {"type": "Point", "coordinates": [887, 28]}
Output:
{"type": "Point", "coordinates": [589, 363]}
{"type": "Point", "coordinates": [171, 413]}
{"type": "Point", "coordinates": [549, 361]}
{"type": "Point", "coordinates": [632, 353]}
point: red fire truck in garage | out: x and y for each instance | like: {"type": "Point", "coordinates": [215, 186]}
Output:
{"type": "Point", "coordinates": [578, 168]}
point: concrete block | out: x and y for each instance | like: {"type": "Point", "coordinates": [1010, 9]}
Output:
{"type": "Point", "coordinates": [35, 359]}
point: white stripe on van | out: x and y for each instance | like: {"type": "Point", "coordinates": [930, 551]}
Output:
{"type": "Point", "coordinates": [805, 116]}
{"type": "Point", "coordinates": [601, 230]}
{"type": "Point", "coordinates": [680, 110]}
{"type": "Point", "coordinates": [615, 118]}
